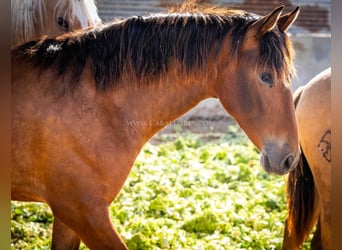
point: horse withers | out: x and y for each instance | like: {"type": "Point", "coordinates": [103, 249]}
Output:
{"type": "Point", "coordinates": [32, 19]}
{"type": "Point", "coordinates": [309, 185]}
{"type": "Point", "coordinates": [74, 98]}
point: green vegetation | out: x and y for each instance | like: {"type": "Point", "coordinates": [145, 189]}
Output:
{"type": "Point", "coordinates": [184, 193]}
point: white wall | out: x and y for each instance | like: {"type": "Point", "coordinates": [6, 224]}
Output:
{"type": "Point", "coordinates": [312, 57]}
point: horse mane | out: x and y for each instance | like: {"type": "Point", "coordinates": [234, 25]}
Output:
{"type": "Point", "coordinates": [146, 45]}
{"type": "Point", "coordinates": [28, 14]}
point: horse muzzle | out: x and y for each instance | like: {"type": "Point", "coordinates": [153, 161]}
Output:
{"type": "Point", "coordinates": [278, 159]}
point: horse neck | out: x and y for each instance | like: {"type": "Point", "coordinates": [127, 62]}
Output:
{"type": "Point", "coordinates": [151, 107]}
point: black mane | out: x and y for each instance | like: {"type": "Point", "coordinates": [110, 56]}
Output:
{"type": "Point", "coordinates": [146, 46]}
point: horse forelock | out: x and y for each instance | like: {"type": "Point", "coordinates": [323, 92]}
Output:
{"type": "Point", "coordinates": [91, 12]}
{"type": "Point", "coordinates": [84, 10]}
{"type": "Point", "coordinates": [28, 15]}
{"type": "Point", "coordinates": [277, 55]}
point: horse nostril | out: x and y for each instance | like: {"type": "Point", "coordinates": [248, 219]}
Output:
{"type": "Point", "coordinates": [265, 162]}
{"type": "Point", "coordinates": [287, 162]}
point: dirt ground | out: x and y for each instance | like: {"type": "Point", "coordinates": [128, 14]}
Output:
{"type": "Point", "coordinates": [208, 119]}
{"type": "Point", "coordinates": [208, 128]}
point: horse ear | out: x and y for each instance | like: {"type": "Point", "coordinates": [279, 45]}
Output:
{"type": "Point", "coordinates": [267, 23]}
{"type": "Point", "coordinates": [287, 20]}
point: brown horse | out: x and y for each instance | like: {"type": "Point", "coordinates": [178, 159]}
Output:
{"type": "Point", "coordinates": [32, 19]}
{"type": "Point", "coordinates": [84, 104]}
{"type": "Point", "coordinates": [309, 185]}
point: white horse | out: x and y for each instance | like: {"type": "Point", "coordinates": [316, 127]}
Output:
{"type": "Point", "coordinates": [32, 19]}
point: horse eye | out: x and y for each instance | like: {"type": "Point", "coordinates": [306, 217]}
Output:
{"type": "Point", "coordinates": [267, 78]}
{"type": "Point", "coordinates": [63, 23]}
